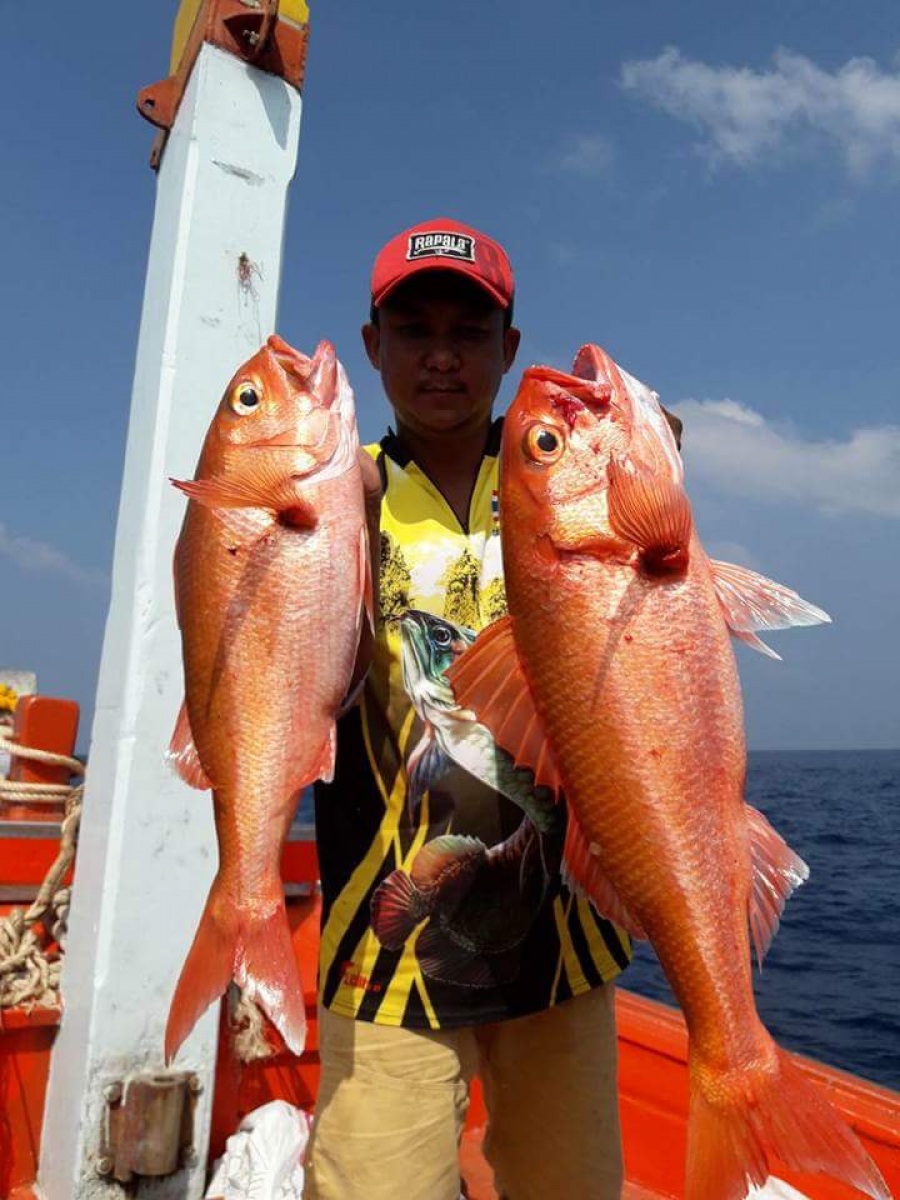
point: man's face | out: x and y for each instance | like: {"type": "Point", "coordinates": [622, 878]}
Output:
{"type": "Point", "coordinates": [441, 348]}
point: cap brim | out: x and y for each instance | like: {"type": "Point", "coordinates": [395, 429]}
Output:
{"type": "Point", "coordinates": [442, 264]}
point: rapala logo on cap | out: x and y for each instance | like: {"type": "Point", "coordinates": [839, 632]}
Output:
{"type": "Point", "coordinates": [439, 244]}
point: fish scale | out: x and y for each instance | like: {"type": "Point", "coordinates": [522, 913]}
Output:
{"type": "Point", "coordinates": [617, 777]}
{"type": "Point", "coordinates": [272, 577]}
{"type": "Point", "coordinates": [618, 634]}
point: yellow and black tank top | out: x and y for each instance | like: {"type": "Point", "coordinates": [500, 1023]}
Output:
{"type": "Point", "coordinates": [487, 929]}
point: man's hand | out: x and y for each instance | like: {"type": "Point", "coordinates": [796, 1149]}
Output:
{"type": "Point", "coordinates": [675, 424]}
{"type": "Point", "coordinates": [371, 478]}
{"type": "Point", "coordinates": [372, 493]}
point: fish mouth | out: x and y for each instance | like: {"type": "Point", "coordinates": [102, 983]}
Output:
{"type": "Point", "coordinates": [286, 441]}
{"type": "Point", "coordinates": [595, 394]}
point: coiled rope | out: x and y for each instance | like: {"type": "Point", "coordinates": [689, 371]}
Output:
{"type": "Point", "coordinates": [32, 939]}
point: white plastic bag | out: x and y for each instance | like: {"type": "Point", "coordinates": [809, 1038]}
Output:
{"type": "Point", "coordinates": [263, 1160]}
{"type": "Point", "coordinates": [775, 1189]}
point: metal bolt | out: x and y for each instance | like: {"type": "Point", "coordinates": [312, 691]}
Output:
{"type": "Point", "coordinates": [195, 1085]}
{"type": "Point", "coordinates": [251, 36]}
{"type": "Point", "coordinates": [104, 1165]}
{"type": "Point", "coordinates": [113, 1093]}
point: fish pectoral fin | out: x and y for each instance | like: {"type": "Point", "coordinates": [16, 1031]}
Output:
{"type": "Point", "coordinates": [751, 602]}
{"type": "Point", "coordinates": [755, 643]}
{"type": "Point", "coordinates": [426, 763]}
{"type": "Point", "coordinates": [582, 874]}
{"type": "Point", "coordinates": [488, 679]}
{"type": "Point", "coordinates": [653, 513]}
{"type": "Point", "coordinates": [395, 910]}
{"type": "Point", "coordinates": [262, 486]}
{"type": "Point", "coordinates": [182, 753]}
{"type": "Point", "coordinates": [777, 872]}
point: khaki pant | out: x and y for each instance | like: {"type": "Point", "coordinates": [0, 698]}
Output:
{"type": "Point", "coordinates": [392, 1104]}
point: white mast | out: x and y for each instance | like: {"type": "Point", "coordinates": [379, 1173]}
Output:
{"type": "Point", "coordinates": [147, 849]}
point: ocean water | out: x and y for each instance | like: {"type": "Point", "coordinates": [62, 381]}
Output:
{"type": "Point", "coordinates": [830, 985]}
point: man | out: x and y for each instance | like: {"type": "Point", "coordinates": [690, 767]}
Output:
{"type": "Point", "coordinates": [522, 998]}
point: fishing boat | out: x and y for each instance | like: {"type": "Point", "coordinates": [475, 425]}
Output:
{"type": "Point", "coordinates": [652, 1040]}
{"type": "Point", "coordinates": [88, 957]}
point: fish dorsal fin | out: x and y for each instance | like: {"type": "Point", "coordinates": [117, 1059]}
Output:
{"type": "Point", "coordinates": [777, 872]}
{"type": "Point", "coordinates": [751, 602]}
{"type": "Point", "coordinates": [582, 873]}
{"type": "Point", "coordinates": [182, 753]}
{"type": "Point", "coordinates": [488, 679]}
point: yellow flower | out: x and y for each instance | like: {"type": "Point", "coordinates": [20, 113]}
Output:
{"type": "Point", "coordinates": [8, 698]}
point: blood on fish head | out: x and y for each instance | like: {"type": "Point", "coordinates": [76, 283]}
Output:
{"type": "Point", "coordinates": [652, 446]}
{"type": "Point", "coordinates": [559, 436]}
{"type": "Point", "coordinates": [296, 407]}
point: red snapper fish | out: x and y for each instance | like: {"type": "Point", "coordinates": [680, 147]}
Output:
{"type": "Point", "coordinates": [614, 680]}
{"type": "Point", "coordinates": [272, 584]}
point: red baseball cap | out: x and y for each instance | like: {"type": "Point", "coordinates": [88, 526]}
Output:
{"type": "Point", "coordinates": [444, 245]}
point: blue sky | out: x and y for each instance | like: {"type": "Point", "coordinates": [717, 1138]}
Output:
{"type": "Point", "coordinates": [707, 190]}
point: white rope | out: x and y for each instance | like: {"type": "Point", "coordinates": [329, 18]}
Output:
{"type": "Point", "coordinates": [32, 940]}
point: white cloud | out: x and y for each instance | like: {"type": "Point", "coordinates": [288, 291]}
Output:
{"type": "Point", "coordinates": [733, 552]}
{"type": "Point", "coordinates": [738, 451]}
{"type": "Point", "coordinates": [32, 555]}
{"type": "Point", "coordinates": [589, 154]}
{"type": "Point", "coordinates": [734, 411]}
{"type": "Point", "coordinates": [746, 116]}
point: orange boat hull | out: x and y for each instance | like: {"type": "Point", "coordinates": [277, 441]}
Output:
{"type": "Point", "coordinates": [653, 1086]}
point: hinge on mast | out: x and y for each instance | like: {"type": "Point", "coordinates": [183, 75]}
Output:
{"type": "Point", "coordinates": [148, 1126]}
{"type": "Point", "coordinates": [270, 34]}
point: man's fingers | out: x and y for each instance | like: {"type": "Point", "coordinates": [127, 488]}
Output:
{"type": "Point", "coordinates": [675, 424]}
{"type": "Point", "coordinates": [371, 478]}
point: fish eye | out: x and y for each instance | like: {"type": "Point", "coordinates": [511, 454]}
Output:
{"type": "Point", "coordinates": [244, 399]}
{"type": "Point", "coordinates": [543, 443]}
{"type": "Point", "coordinates": [442, 636]}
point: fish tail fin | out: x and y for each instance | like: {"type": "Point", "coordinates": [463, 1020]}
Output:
{"type": "Point", "coordinates": [256, 952]}
{"type": "Point", "coordinates": [736, 1124]}
{"type": "Point", "coordinates": [268, 974]}
{"type": "Point", "coordinates": [207, 971]}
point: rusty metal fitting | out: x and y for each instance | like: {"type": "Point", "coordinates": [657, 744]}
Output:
{"type": "Point", "coordinates": [270, 34]}
{"type": "Point", "coordinates": [148, 1126]}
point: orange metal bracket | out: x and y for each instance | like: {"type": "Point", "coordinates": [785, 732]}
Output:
{"type": "Point", "coordinates": [43, 723]}
{"type": "Point", "coordinates": [256, 31]}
